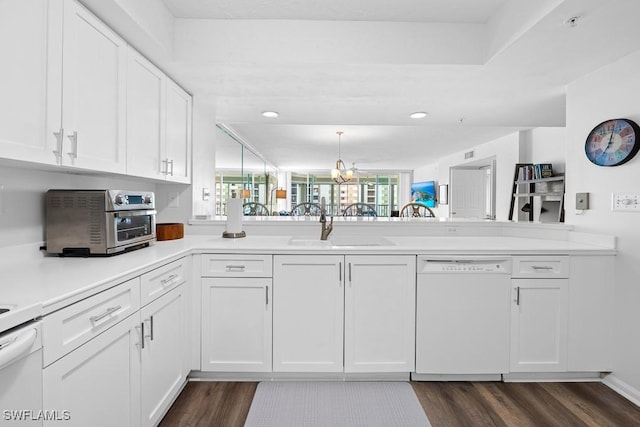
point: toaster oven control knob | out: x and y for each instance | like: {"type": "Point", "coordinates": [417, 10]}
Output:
{"type": "Point", "coordinates": [121, 199]}
{"type": "Point", "coordinates": [148, 199]}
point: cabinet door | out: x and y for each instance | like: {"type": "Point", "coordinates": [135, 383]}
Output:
{"type": "Point", "coordinates": [162, 374]}
{"type": "Point", "coordinates": [30, 36]}
{"type": "Point", "coordinates": [145, 98]}
{"type": "Point", "coordinates": [539, 314]}
{"type": "Point", "coordinates": [308, 299]}
{"type": "Point", "coordinates": [591, 314]}
{"type": "Point", "coordinates": [98, 383]}
{"type": "Point", "coordinates": [236, 324]}
{"type": "Point", "coordinates": [379, 330]}
{"type": "Point", "coordinates": [93, 109]}
{"type": "Point", "coordinates": [178, 134]}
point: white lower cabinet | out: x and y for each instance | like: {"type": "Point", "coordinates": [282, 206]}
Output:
{"type": "Point", "coordinates": [162, 374]}
{"type": "Point", "coordinates": [379, 325]}
{"type": "Point", "coordinates": [335, 313]}
{"type": "Point", "coordinates": [236, 312]}
{"type": "Point", "coordinates": [236, 324]}
{"type": "Point", "coordinates": [98, 383]}
{"type": "Point", "coordinates": [308, 299]}
{"type": "Point", "coordinates": [539, 325]}
{"type": "Point", "coordinates": [124, 365]}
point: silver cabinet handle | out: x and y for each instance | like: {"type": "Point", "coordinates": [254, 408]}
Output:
{"type": "Point", "coordinates": [517, 300]}
{"type": "Point", "coordinates": [141, 329]}
{"type": "Point", "coordinates": [349, 274]}
{"type": "Point", "coordinates": [170, 162]}
{"type": "Point", "coordinates": [74, 145]}
{"type": "Point", "coordinates": [541, 267]}
{"type": "Point", "coordinates": [142, 334]}
{"type": "Point", "coordinates": [151, 328]}
{"type": "Point", "coordinates": [340, 272]}
{"type": "Point", "coordinates": [59, 140]}
{"type": "Point", "coordinates": [235, 267]}
{"type": "Point", "coordinates": [169, 279]}
{"type": "Point", "coordinates": [109, 311]}
{"type": "Point", "coordinates": [266, 294]}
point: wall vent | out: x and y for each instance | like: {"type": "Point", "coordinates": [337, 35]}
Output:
{"type": "Point", "coordinates": [468, 155]}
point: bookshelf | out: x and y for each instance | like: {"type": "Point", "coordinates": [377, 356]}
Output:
{"type": "Point", "coordinates": [549, 189]}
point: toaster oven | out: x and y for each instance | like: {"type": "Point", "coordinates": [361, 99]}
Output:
{"type": "Point", "coordinates": [99, 222]}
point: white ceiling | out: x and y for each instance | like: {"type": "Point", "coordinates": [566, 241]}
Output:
{"type": "Point", "coordinates": [481, 69]}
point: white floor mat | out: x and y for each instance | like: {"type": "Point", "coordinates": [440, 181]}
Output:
{"type": "Point", "coordinates": [335, 404]}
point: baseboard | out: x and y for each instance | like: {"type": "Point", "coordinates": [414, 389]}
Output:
{"type": "Point", "coordinates": [622, 388]}
{"type": "Point", "coordinates": [552, 377]}
{"type": "Point", "coordinates": [456, 377]}
{"type": "Point", "coordinates": [297, 376]}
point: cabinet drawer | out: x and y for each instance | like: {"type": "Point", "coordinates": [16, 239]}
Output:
{"type": "Point", "coordinates": [161, 280]}
{"type": "Point", "coordinates": [540, 267]}
{"type": "Point", "coordinates": [72, 326]}
{"type": "Point", "coordinates": [214, 265]}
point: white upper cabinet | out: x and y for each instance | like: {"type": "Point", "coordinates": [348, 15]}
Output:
{"type": "Point", "coordinates": [75, 94]}
{"type": "Point", "coordinates": [93, 93]}
{"type": "Point", "coordinates": [29, 88]}
{"type": "Point", "coordinates": [145, 97]}
{"type": "Point", "coordinates": [178, 134]}
{"type": "Point", "coordinates": [158, 123]}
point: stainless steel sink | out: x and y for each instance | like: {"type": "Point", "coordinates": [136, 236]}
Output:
{"type": "Point", "coordinates": [308, 241]}
{"type": "Point", "coordinates": [341, 241]}
{"type": "Point", "coordinates": [360, 241]}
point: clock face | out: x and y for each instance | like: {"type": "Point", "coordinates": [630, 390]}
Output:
{"type": "Point", "coordinates": [613, 142]}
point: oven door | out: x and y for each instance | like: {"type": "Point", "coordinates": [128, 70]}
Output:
{"type": "Point", "coordinates": [130, 228]}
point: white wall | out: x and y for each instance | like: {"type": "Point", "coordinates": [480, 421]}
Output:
{"type": "Point", "coordinates": [610, 92]}
{"type": "Point", "coordinates": [22, 211]}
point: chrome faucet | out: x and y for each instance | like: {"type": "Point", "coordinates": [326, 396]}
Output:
{"type": "Point", "coordinates": [326, 230]}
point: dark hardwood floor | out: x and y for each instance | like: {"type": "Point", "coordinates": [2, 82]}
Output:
{"type": "Point", "coordinates": [449, 404]}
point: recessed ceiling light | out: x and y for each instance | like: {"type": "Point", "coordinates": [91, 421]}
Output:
{"type": "Point", "coordinates": [418, 115]}
{"type": "Point", "coordinates": [270, 114]}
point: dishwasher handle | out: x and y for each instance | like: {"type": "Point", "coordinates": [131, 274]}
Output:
{"type": "Point", "coordinates": [11, 350]}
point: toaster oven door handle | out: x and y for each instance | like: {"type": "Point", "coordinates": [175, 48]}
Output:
{"type": "Point", "coordinates": [124, 214]}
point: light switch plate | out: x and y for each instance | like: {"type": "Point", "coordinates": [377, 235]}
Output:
{"type": "Point", "coordinates": [582, 201]}
{"type": "Point", "coordinates": [625, 202]}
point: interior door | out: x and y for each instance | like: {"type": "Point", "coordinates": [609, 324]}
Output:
{"type": "Point", "coordinates": [467, 193]}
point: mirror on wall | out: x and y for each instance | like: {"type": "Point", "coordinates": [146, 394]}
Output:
{"type": "Point", "coordinates": [241, 173]}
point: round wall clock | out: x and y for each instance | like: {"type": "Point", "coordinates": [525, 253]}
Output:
{"type": "Point", "coordinates": [613, 142]}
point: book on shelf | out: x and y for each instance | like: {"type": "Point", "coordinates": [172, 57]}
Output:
{"type": "Point", "coordinates": [536, 171]}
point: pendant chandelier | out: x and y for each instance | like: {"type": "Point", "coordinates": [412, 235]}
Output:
{"type": "Point", "coordinates": [340, 174]}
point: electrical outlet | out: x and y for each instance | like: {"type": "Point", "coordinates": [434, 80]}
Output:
{"type": "Point", "coordinates": [582, 201]}
{"type": "Point", "coordinates": [174, 200]}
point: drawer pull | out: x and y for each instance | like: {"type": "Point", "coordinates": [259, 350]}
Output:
{"type": "Point", "coordinates": [109, 311]}
{"type": "Point", "coordinates": [169, 279]}
{"type": "Point", "coordinates": [541, 267]}
{"type": "Point", "coordinates": [235, 267]}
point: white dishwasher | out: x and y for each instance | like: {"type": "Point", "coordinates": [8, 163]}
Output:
{"type": "Point", "coordinates": [462, 317]}
{"type": "Point", "coordinates": [21, 376]}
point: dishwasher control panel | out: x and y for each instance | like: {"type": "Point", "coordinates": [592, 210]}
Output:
{"type": "Point", "coordinates": [481, 265]}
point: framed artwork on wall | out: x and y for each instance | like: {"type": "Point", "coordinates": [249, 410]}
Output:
{"type": "Point", "coordinates": [424, 193]}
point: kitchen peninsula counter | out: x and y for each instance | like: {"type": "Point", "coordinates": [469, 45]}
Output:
{"type": "Point", "coordinates": [36, 285]}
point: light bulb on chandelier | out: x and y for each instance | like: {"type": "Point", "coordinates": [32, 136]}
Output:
{"type": "Point", "coordinates": [340, 174]}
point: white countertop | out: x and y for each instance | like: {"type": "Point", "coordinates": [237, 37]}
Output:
{"type": "Point", "coordinates": [34, 285]}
